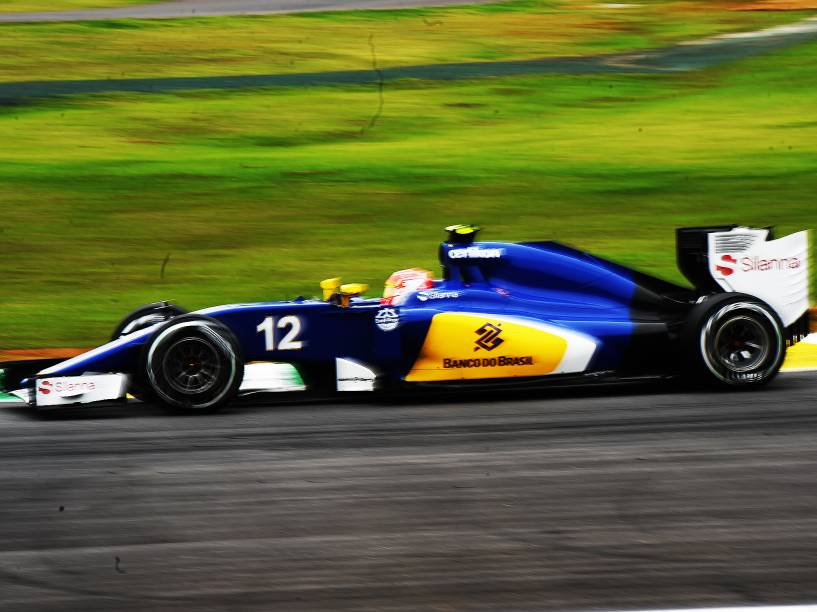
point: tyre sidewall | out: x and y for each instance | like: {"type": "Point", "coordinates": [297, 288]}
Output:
{"type": "Point", "coordinates": [145, 316]}
{"type": "Point", "coordinates": [225, 347]}
{"type": "Point", "coordinates": [700, 331]}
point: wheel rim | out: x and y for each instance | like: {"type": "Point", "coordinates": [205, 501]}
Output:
{"type": "Point", "coordinates": [753, 323]}
{"type": "Point", "coordinates": [741, 344]}
{"type": "Point", "coordinates": [191, 366]}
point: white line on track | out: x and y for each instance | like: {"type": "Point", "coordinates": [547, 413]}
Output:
{"type": "Point", "coordinates": [795, 608]}
{"type": "Point", "coordinates": [806, 26]}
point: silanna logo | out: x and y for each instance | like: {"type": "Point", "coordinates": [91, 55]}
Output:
{"type": "Point", "coordinates": [66, 388]}
{"type": "Point", "coordinates": [488, 337]}
{"type": "Point", "coordinates": [728, 265]}
{"type": "Point", "coordinates": [437, 295]}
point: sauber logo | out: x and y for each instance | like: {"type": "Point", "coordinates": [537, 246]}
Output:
{"type": "Point", "coordinates": [45, 387]}
{"type": "Point", "coordinates": [488, 337]}
{"type": "Point", "coordinates": [729, 265]}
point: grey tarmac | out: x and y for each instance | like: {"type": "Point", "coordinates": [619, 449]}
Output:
{"type": "Point", "coordinates": [213, 8]}
{"type": "Point", "coordinates": [615, 498]}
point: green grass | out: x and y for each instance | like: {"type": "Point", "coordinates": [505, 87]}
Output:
{"type": "Point", "coordinates": [258, 195]}
{"type": "Point", "coordinates": [341, 40]}
{"type": "Point", "coordinates": [25, 6]}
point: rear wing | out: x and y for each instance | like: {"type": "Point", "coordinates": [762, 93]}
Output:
{"type": "Point", "coordinates": [749, 260]}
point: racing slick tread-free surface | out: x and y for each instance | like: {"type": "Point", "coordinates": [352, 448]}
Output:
{"type": "Point", "coordinates": [226, 365]}
{"type": "Point", "coordinates": [698, 372]}
{"type": "Point", "coordinates": [565, 500]}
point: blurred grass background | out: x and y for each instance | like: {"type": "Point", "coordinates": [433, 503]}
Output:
{"type": "Point", "coordinates": [259, 194]}
{"type": "Point", "coordinates": [310, 42]}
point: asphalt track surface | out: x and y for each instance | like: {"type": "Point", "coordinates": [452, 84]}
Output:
{"type": "Point", "coordinates": [686, 56]}
{"type": "Point", "coordinates": [212, 8]}
{"type": "Point", "coordinates": [604, 499]}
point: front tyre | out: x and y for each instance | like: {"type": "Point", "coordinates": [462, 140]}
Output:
{"type": "Point", "coordinates": [145, 316]}
{"type": "Point", "coordinates": [733, 340]}
{"type": "Point", "coordinates": [193, 363]}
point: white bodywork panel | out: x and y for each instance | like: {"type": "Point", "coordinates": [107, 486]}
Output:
{"type": "Point", "coordinates": [89, 388]}
{"type": "Point", "coordinates": [263, 377]}
{"type": "Point", "coordinates": [353, 375]}
{"type": "Point", "coordinates": [24, 394]}
{"type": "Point", "coordinates": [65, 390]}
{"type": "Point", "coordinates": [776, 271]}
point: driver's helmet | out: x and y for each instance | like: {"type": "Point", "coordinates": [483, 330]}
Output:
{"type": "Point", "coordinates": [403, 282]}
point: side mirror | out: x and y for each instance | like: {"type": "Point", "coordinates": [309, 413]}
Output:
{"type": "Point", "coordinates": [330, 287]}
{"type": "Point", "coordinates": [347, 292]}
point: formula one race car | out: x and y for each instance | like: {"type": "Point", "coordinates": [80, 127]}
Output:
{"type": "Point", "coordinates": [503, 314]}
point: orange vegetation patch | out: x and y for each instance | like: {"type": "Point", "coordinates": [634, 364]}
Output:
{"type": "Point", "coordinates": [776, 5]}
{"type": "Point", "coordinates": [44, 353]}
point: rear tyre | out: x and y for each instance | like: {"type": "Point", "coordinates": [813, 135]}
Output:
{"type": "Point", "coordinates": [192, 363]}
{"type": "Point", "coordinates": [145, 316]}
{"type": "Point", "coordinates": [733, 340]}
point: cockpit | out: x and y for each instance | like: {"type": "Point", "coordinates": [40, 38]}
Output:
{"type": "Point", "coordinates": [403, 283]}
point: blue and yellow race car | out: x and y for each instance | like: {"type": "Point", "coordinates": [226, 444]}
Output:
{"type": "Point", "coordinates": [502, 314]}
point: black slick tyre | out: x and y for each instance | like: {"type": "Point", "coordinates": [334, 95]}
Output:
{"type": "Point", "coordinates": [192, 363]}
{"type": "Point", "coordinates": [732, 340]}
{"type": "Point", "coordinates": [145, 316]}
